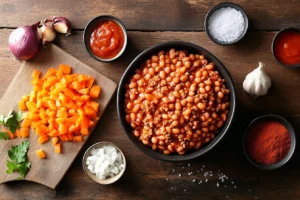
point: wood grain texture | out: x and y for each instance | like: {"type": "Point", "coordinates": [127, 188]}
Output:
{"type": "Point", "coordinates": [51, 170]}
{"type": "Point", "coordinates": [146, 178]}
{"type": "Point", "coordinates": [148, 15]}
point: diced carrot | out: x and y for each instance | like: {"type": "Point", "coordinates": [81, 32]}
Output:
{"type": "Point", "coordinates": [69, 93]}
{"type": "Point", "coordinates": [65, 69]}
{"type": "Point", "coordinates": [92, 124]}
{"type": "Point", "coordinates": [81, 78]}
{"type": "Point", "coordinates": [54, 133]}
{"type": "Point", "coordinates": [93, 104]}
{"type": "Point", "coordinates": [64, 137]}
{"type": "Point", "coordinates": [84, 131]}
{"type": "Point", "coordinates": [81, 111]}
{"type": "Point", "coordinates": [58, 148]}
{"type": "Point", "coordinates": [77, 138]}
{"type": "Point", "coordinates": [25, 98]}
{"type": "Point", "coordinates": [51, 72]}
{"type": "Point", "coordinates": [84, 91]}
{"type": "Point", "coordinates": [84, 98]}
{"type": "Point", "coordinates": [41, 130]}
{"type": "Point", "coordinates": [24, 132]}
{"type": "Point", "coordinates": [22, 105]}
{"type": "Point", "coordinates": [73, 128]}
{"type": "Point", "coordinates": [31, 106]}
{"type": "Point", "coordinates": [40, 154]}
{"type": "Point", "coordinates": [54, 140]}
{"type": "Point", "coordinates": [59, 74]}
{"type": "Point", "coordinates": [42, 139]}
{"type": "Point", "coordinates": [95, 91]}
{"type": "Point", "coordinates": [88, 110]}
{"type": "Point", "coordinates": [18, 133]}
{"type": "Point", "coordinates": [26, 123]}
{"type": "Point", "coordinates": [70, 136]}
{"type": "Point", "coordinates": [89, 82]}
{"type": "Point", "coordinates": [10, 134]}
{"type": "Point", "coordinates": [34, 116]}
{"type": "Point", "coordinates": [62, 128]}
{"type": "Point", "coordinates": [36, 74]}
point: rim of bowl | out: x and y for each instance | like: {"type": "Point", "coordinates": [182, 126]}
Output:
{"type": "Point", "coordinates": [136, 64]}
{"type": "Point", "coordinates": [273, 46]}
{"type": "Point", "coordinates": [86, 36]}
{"type": "Point", "coordinates": [223, 5]}
{"type": "Point", "coordinates": [287, 125]}
{"type": "Point", "coordinates": [85, 169]}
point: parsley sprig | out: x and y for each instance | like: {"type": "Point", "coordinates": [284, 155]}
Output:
{"type": "Point", "coordinates": [19, 161]}
{"type": "Point", "coordinates": [11, 121]}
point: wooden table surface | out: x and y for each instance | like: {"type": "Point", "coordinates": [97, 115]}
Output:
{"type": "Point", "coordinates": [151, 22]}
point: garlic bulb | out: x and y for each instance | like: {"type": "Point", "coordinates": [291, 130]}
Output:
{"type": "Point", "coordinates": [257, 82]}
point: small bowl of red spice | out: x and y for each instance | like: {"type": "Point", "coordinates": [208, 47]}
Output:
{"type": "Point", "coordinates": [286, 47]}
{"type": "Point", "coordinates": [269, 142]}
{"type": "Point", "coordinates": [105, 38]}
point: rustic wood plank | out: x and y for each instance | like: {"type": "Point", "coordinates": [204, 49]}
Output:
{"type": "Point", "coordinates": [148, 15]}
{"type": "Point", "coordinates": [145, 177]}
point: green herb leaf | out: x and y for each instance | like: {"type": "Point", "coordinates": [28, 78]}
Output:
{"type": "Point", "coordinates": [11, 121]}
{"type": "Point", "coordinates": [19, 162]}
{"type": "Point", "coordinates": [19, 116]}
{"type": "Point", "coordinates": [3, 136]}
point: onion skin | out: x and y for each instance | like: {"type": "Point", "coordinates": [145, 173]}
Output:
{"type": "Point", "coordinates": [24, 42]}
{"type": "Point", "coordinates": [61, 25]}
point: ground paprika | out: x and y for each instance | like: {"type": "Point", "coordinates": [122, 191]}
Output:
{"type": "Point", "coordinates": [268, 142]}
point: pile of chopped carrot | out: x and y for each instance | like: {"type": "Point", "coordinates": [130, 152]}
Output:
{"type": "Point", "coordinates": [60, 106]}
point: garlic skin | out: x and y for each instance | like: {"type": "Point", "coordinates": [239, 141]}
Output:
{"type": "Point", "coordinates": [257, 82]}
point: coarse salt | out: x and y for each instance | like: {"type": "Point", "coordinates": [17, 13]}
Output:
{"type": "Point", "coordinates": [105, 162]}
{"type": "Point", "coordinates": [226, 24]}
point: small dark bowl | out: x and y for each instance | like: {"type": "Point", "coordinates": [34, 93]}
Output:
{"type": "Point", "coordinates": [225, 5]}
{"type": "Point", "coordinates": [273, 46]}
{"type": "Point", "coordinates": [89, 28]}
{"type": "Point", "coordinates": [293, 141]}
{"type": "Point", "coordinates": [136, 63]}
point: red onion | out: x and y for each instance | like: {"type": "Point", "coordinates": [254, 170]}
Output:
{"type": "Point", "coordinates": [24, 42]}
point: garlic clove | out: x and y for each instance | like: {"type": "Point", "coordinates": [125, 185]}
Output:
{"type": "Point", "coordinates": [48, 34]}
{"type": "Point", "coordinates": [61, 25]}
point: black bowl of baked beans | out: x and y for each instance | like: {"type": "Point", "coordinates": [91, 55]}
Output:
{"type": "Point", "coordinates": [176, 101]}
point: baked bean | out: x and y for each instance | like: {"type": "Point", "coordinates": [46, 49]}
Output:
{"type": "Point", "coordinates": [183, 78]}
{"type": "Point", "coordinates": [176, 102]}
{"type": "Point", "coordinates": [201, 106]}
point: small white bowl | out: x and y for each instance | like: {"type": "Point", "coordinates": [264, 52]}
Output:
{"type": "Point", "coordinates": [93, 176]}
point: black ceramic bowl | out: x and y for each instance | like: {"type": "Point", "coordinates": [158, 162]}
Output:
{"type": "Point", "coordinates": [273, 46]}
{"type": "Point", "coordinates": [88, 31]}
{"type": "Point", "coordinates": [136, 63]}
{"type": "Point", "coordinates": [225, 5]}
{"type": "Point", "coordinates": [293, 141]}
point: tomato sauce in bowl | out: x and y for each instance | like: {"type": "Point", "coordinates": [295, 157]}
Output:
{"type": "Point", "coordinates": [107, 39]}
{"type": "Point", "coordinates": [286, 47]}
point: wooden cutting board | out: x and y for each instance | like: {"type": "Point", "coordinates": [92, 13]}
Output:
{"type": "Point", "coordinates": [51, 170]}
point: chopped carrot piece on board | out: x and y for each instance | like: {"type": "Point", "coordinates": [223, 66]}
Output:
{"type": "Point", "coordinates": [58, 148]}
{"type": "Point", "coordinates": [95, 91]}
{"type": "Point", "coordinates": [41, 154]}
{"type": "Point", "coordinates": [24, 132]}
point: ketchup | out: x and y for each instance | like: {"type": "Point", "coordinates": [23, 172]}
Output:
{"type": "Point", "coordinates": [107, 39]}
{"type": "Point", "coordinates": [287, 48]}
